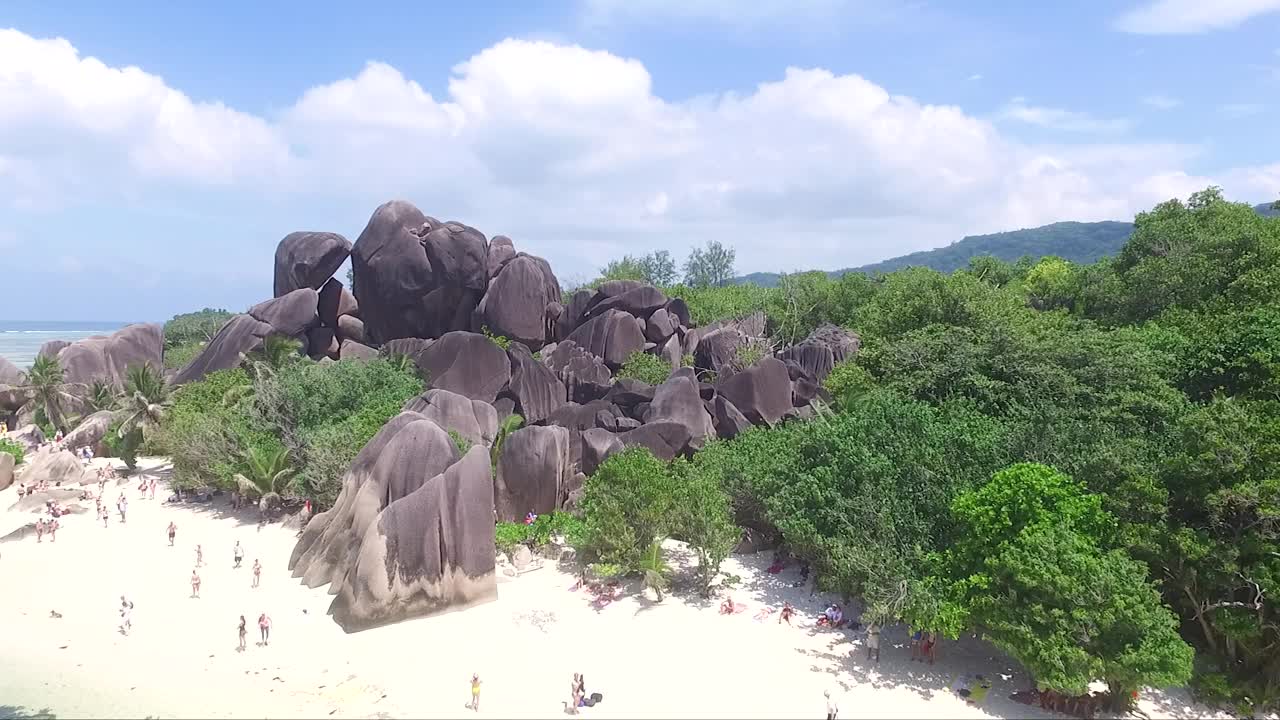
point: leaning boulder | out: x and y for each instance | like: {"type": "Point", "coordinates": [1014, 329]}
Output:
{"type": "Point", "coordinates": [6, 470]}
{"type": "Point", "coordinates": [239, 335]}
{"type": "Point", "coordinates": [466, 363]}
{"type": "Point", "coordinates": [473, 420]}
{"type": "Point", "coordinates": [640, 302]}
{"type": "Point", "coordinates": [292, 314]}
{"type": "Point", "coordinates": [51, 348]}
{"type": "Point", "coordinates": [352, 350]}
{"type": "Point", "coordinates": [729, 421]}
{"type": "Point", "coordinates": [430, 551]}
{"type": "Point", "coordinates": [308, 259]}
{"type": "Point", "coordinates": [597, 445]}
{"type": "Point", "coordinates": [10, 374]}
{"type": "Point", "coordinates": [91, 431]}
{"type": "Point", "coordinates": [584, 375]}
{"type": "Point", "coordinates": [824, 348]}
{"type": "Point", "coordinates": [533, 469]}
{"type": "Point", "coordinates": [537, 390]}
{"type": "Point", "coordinates": [678, 400]}
{"type": "Point", "coordinates": [664, 439]}
{"type": "Point", "coordinates": [761, 392]}
{"type": "Point", "coordinates": [30, 437]}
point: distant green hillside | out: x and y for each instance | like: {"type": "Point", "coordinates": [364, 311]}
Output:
{"type": "Point", "coordinates": [1075, 241]}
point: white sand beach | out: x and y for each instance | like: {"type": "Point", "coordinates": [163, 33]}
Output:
{"type": "Point", "coordinates": [677, 658]}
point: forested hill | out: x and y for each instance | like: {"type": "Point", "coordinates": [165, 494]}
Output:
{"type": "Point", "coordinates": [1078, 242]}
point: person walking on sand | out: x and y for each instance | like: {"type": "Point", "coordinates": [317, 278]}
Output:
{"type": "Point", "coordinates": [195, 584]}
{"type": "Point", "coordinates": [575, 699]}
{"type": "Point", "coordinates": [833, 709]}
{"type": "Point", "coordinates": [264, 628]}
{"type": "Point", "coordinates": [40, 530]}
{"type": "Point", "coordinates": [126, 616]}
{"type": "Point", "coordinates": [239, 554]}
{"type": "Point", "coordinates": [475, 692]}
{"type": "Point", "coordinates": [173, 531]}
{"type": "Point", "coordinates": [786, 613]}
{"type": "Point", "coordinates": [106, 515]}
{"type": "Point", "coordinates": [243, 632]}
{"type": "Point", "coordinates": [199, 556]}
{"type": "Point", "coordinates": [257, 572]}
{"type": "Point", "coordinates": [154, 482]}
{"type": "Point", "coordinates": [873, 642]}
{"type": "Point", "coordinates": [53, 530]}
{"type": "Point", "coordinates": [123, 506]}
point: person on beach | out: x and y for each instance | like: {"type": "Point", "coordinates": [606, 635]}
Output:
{"type": "Point", "coordinates": [126, 616]}
{"type": "Point", "coordinates": [243, 632]}
{"type": "Point", "coordinates": [929, 647]}
{"type": "Point", "coordinates": [122, 505]}
{"type": "Point", "coordinates": [173, 531]}
{"type": "Point", "coordinates": [575, 698]}
{"type": "Point", "coordinates": [873, 642]}
{"type": "Point", "coordinates": [475, 692]}
{"type": "Point", "coordinates": [106, 515]}
{"type": "Point", "coordinates": [833, 708]}
{"type": "Point", "coordinates": [257, 572]}
{"type": "Point", "coordinates": [726, 607]}
{"type": "Point", "coordinates": [53, 530]}
{"type": "Point", "coordinates": [199, 556]}
{"type": "Point", "coordinates": [786, 613]}
{"type": "Point", "coordinates": [195, 584]}
{"type": "Point", "coordinates": [154, 482]}
{"type": "Point", "coordinates": [239, 554]}
{"type": "Point", "coordinates": [264, 628]}
{"type": "Point", "coordinates": [916, 639]}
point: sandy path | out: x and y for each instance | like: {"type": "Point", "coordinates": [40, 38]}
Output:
{"type": "Point", "coordinates": [678, 658]}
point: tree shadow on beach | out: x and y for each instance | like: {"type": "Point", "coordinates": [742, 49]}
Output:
{"type": "Point", "coordinates": [17, 712]}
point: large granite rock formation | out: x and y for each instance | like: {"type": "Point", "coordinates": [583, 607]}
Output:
{"type": "Point", "coordinates": [239, 335]}
{"type": "Point", "coordinates": [459, 257]}
{"type": "Point", "coordinates": [823, 349]}
{"type": "Point", "coordinates": [30, 437]}
{"type": "Point", "coordinates": [516, 302]}
{"type": "Point", "coordinates": [108, 358]}
{"type": "Point", "coordinates": [665, 439]}
{"type": "Point", "coordinates": [292, 314]}
{"type": "Point", "coordinates": [466, 363]}
{"type": "Point", "coordinates": [7, 464]}
{"type": "Point", "coordinates": [536, 390]}
{"type": "Point", "coordinates": [534, 468]}
{"type": "Point", "coordinates": [51, 348]}
{"type": "Point", "coordinates": [308, 259]}
{"type": "Point", "coordinates": [91, 431]}
{"type": "Point", "coordinates": [474, 420]}
{"type": "Point", "coordinates": [679, 400]}
{"type": "Point", "coordinates": [392, 273]}
{"type": "Point", "coordinates": [584, 375]}
{"type": "Point", "coordinates": [10, 374]}
{"type": "Point", "coordinates": [611, 336]}
{"type": "Point", "coordinates": [761, 392]}
{"type": "Point", "coordinates": [53, 467]}
{"type": "Point", "coordinates": [411, 533]}
{"type": "Point", "coordinates": [597, 445]}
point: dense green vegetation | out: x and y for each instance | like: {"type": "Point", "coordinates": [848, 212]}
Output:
{"type": "Point", "coordinates": [645, 367]}
{"type": "Point", "coordinates": [186, 334]}
{"type": "Point", "coordinates": [281, 425]}
{"type": "Point", "coordinates": [1078, 461]}
{"type": "Point", "coordinates": [12, 448]}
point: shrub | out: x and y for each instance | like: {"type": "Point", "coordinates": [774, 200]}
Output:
{"type": "Point", "coordinates": [646, 368]}
{"type": "Point", "coordinates": [177, 356]}
{"type": "Point", "coordinates": [459, 442]}
{"type": "Point", "coordinates": [13, 448]}
{"type": "Point", "coordinates": [539, 533]}
{"type": "Point", "coordinates": [124, 447]}
{"type": "Point", "coordinates": [500, 340]}
{"type": "Point", "coordinates": [627, 505]}
{"type": "Point", "coordinates": [194, 327]}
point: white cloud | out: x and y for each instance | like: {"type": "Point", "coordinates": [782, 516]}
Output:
{"type": "Point", "coordinates": [975, 77]}
{"type": "Point", "coordinates": [1176, 17]}
{"type": "Point", "coordinates": [570, 152]}
{"type": "Point", "coordinates": [1240, 110]}
{"type": "Point", "coordinates": [1058, 119]}
{"type": "Point", "coordinates": [1161, 102]}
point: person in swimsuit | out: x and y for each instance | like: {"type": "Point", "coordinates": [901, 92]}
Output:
{"type": "Point", "coordinates": [916, 639]}
{"type": "Point", "coordinates": [243, 632]}
{"type": "Point", "coordinates": [154, 482]}
{"type": "Point", "coordinates": [173, 530]}
{"type": "Point", "coordinates": [122, 505]}
{"type": "Point", "coordinates": [786, 613]}
{"type": "Point", "coordinates": [105, 516]}
{"type": "Point", "coordinates": [53, 530]}
{"type": "Point", "coordinates": [833, 708]}
{"type": "Point", "coordinates": [264, 628]}
{"type": "Point", "coordinates": [239, 553]}
{"type": "Point", "coordinates": [40, 530]}
{"type": "Point", "coordinates": [257, 572]}
{"type": "Point", "coordinates": [195, 584]}
{"type": "Point", "coordinates": [575, 698]}
{"type": "Point", "coordinates": [929, 647]}
{"type": "Point", "coordinates": [475, 692]}
{"type": "Point", "coordinates": [199, 556]}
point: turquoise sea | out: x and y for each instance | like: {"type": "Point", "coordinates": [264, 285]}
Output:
{"type": "Point", "coordinates": [20, 340]}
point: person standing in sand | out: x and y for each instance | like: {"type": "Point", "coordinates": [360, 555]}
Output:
{"type": "Point", "coordinates": [123, 505]}
{"type": "Point", "coordinates": [195, 584]}
{"type": "Point", "coordinates": [53, 530]}
{"type": "Point", "coordinates": [154, 482]}
{"type": "Point", "coordinates": [106, 515]}
{"type": "Point", "coordinates": [243, 632]}
{"type": "Point", "coordinates": [873, 642]}
{"type": "Point", "coordinates": [173, 530]}
{"type": "Point", "coordinates": [199, 556]}
{"type": "Point", "coordinates": [264, 628]}
{"type": "Point", "coordinates": [575, 697]}
{"type": "Point", "coordinates": [39, 530]}
{"type": "Point", "coordinates": [257, 572]}
{"type": "Point", "coordinates": [475, 692]}
{"type": "Point", "coordinates": [239, 554]}
{"type": "Point", "coordinates": [833, 708]}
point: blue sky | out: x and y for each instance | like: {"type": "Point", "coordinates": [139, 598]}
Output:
{"type": "Point", "coordinates": [151, 155]}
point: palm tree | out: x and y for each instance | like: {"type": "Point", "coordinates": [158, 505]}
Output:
{"type": "Point", "coordinates": [275, 353]}
{"type": "Point", "coordinates": [657, 574]}
{"type": "Point", "coordinates": [268, 471]}
{"type": "Point", "coordinates": [49, 391]}
{"type": "Point", "coordinates": [509, 424]}
{"type": "Point", "coordinates": [146, 398]}
{"type": "Point", "coordinates": [101, 396]}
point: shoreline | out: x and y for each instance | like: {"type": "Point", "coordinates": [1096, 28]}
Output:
{"type": "Point", "coordinates": [677, 658]}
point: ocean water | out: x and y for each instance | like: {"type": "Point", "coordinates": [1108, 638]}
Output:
{"type": "Point", "coordinates": [20, 340]}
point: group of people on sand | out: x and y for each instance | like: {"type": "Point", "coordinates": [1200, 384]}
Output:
{"type": "Point", "coordinates": [47, 526]}
{"type": "Point", "coordinates": [237, 553]}
{"type": "Point", "coordinates": [264, 631]}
